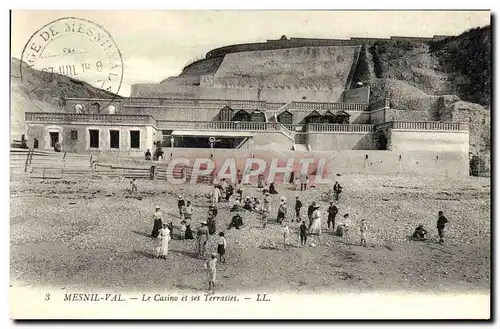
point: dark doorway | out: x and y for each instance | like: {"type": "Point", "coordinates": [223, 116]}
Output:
{"type": "Point", "coordinates": [241, 116]}
{"type": "Point", "coordinates": [94, 138]}
{"type": "Point", "coordinates": [381, 141]}
{"type": "Point", "coordinates": [225, 114]}
{"type": "Point", "coordinates": [285, 118]}
{"type": "Point", "coordinates": [135, 139]}
{"type": "Point", "coordinates": [114, 139]}
{"type": "Point", "coordinates": [257, 116]}
{"type": "Point", "coordinates": [54, 138]}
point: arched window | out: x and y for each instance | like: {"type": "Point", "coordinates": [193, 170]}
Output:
{"type": "Point", "coordinates": [257, 116]}
{"type": "Point", "coordinates": [285, 118]}
{"type": "Point", "coordinates": [241, 115]}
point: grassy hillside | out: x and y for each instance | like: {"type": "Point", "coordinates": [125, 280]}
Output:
{"type": "Point", "coordinates": [37, 92]}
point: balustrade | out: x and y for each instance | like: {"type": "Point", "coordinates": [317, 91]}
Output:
{"type": "Point", "coordinates": [429, 125]}
{"type": "Point", "coordinates": [327, 127]}
{"type": "Point", "coordinates": [88, 118]}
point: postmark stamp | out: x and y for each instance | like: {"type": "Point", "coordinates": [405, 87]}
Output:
{"type": "Point", "coordinates": [77, 48]}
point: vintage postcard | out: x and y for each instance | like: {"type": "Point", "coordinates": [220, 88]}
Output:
{"type": "Point", "coordinates": [250, 165]}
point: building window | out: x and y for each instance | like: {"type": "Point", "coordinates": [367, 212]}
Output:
{"type": "Point", "coordinates": [114, 139]}
{"type": "Point", "coordinates": [135, 138]}
{"type": "Point", "coordinates": [94, 138]}
{"type": "Point", "coordinates": [54, 138]}
{"type": "Point", "coordinates": [74, 135]}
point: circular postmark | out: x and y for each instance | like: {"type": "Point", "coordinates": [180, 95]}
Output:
{"type": "Point", "coordinates": [74, 47]}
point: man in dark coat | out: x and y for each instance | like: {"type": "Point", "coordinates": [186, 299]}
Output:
{"type": "Point", "coordinates": [337, 189]}
{"type": "Point", "coordinates": [441, 222]}
{"type": "Point", "coordinates": [298, 206]}
{"type": "Point", "coordinates": [236, 222]}
{"type": "Point", "coordinates": [332, 212]}
{"type": "Point", "coordinates": [310, 211]}
{"type": "Point", "coordinates": [420, 233]}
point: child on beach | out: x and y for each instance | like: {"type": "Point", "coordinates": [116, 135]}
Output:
{"type": "Point", "coordinates": [211, 267]}
{"type": "Point", "coordinates": [221, 247]}
{"type": "Point", "coordinates": [133, 188]}
{"type": "Point", "coordinates": [286, 236]}
{"type": "Point", "coordinates": [183, 230]}
{"type": "Point", "coordinates": [303, 234]}
{"type": "Point", "coordinates": [363, 228]}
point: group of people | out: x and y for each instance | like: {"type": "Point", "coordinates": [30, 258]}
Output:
{"type": "Point", "coordinates": [308, 229]}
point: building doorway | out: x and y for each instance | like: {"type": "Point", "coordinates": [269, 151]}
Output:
{"type": "Point", "coordinates": [135, 139]}
{"type": "Point", "coordinates": [54, 138]}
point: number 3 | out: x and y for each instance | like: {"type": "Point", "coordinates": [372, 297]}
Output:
{"type": "Point", "coordinates": [47, 296]}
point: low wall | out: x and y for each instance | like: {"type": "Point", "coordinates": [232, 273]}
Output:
{"type": "Point", "coordinates": [377, 116]}
{"type": "Point", "coordinates": [280, 95]}
{"type": "Point", "coordinates": [331, 141]}
{"type": "Point", "coordinates": [430, 140]}
{"type": "Point", "coordinates": [421, 163]}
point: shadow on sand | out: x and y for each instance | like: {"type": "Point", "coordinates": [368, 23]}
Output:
{"type": "Point", "coordinates": [146, 254]}
{"type": "Point", "coordinates": [188, 287]}
{"type": "Point", "coordinates": [142, 233]}
{"type": "Point", "coordinates": [191, 254]}
{"type": "Point", "coordinates": [270, 248]}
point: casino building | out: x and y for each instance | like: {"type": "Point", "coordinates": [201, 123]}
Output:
{"type": "Point", "coordinates": [294, 95]}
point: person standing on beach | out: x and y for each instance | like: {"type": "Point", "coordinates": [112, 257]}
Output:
{"type": "Point", "coordinates": [315, 228]}
{"type": "Point", "coordinates": [303, 234]}
{"type": "Point", "coordinates": [164, 235]}
{"type": "Point", "coordinates": [310, 211]}
{"type": "Point", "coordinates": [303, 181]}
{"type": "Point", "coordinates": [337, 189]}
{"type": "Point", "coordinates": [133, 187]}
{"type": "Point", "coordinates": [281, 210]}
{"type": "Point", "coordinates": [332, 213]}
{"type": "Point", "coordinates": [286, 236]}
{"type": "Point", "coordinates": [180, 205]}
{"type": "Point", "coordinates": [211, 267]}
{"type": "Point", "coordinates": [158, 222]}
{"type": "Point", "coordinates": [347, 225]}
{"type": "Point", "coordinates": [221, 247]}
{"type": "Point", "coordinates": [202, 239]}
{"type": "Point", "coordinates": [298, 206]}
{"type": "Point", "coordinates": [215, 194]}
{"type": "Point", "coordinates": [363, 228]}
{"type": "Point", "coordinates": [441, 223]}
{"type": "Point", "coordinates": [187, 211]}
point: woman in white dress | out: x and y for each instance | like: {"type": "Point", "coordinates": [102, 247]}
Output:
{"type": "Point", "coordinates": [315, 228]}
{"type": "Point", "coordinates": [164, 236]}
{"type": "Point", "coordinates": [215, 194]}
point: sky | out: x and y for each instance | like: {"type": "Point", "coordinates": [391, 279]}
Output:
{"type": "Point", "coordinates": [157, 44]}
